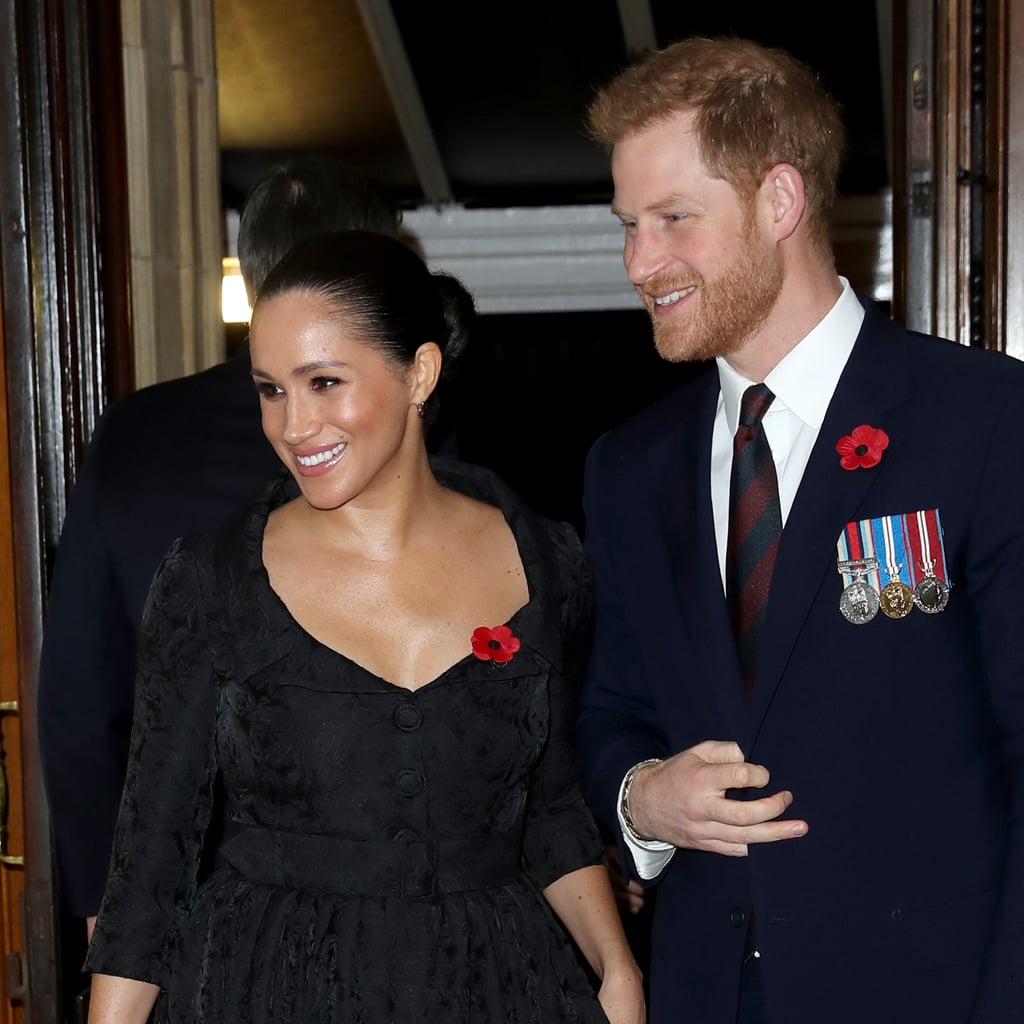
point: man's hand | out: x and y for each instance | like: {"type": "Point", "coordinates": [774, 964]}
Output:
{"type": "Point", "coordinates": [682, 801]}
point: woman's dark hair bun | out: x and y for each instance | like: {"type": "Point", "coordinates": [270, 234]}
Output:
{"type": "Point", "coordinates": [459, 312]}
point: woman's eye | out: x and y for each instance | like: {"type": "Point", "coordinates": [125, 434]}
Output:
{"type": "Point", "coordinates": [323, 383]}
{"type": "Point", "coordinates": [267, 390]}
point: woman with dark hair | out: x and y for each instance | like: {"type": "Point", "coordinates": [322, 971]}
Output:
{"type": "Point", "coordinates": [379, 662]}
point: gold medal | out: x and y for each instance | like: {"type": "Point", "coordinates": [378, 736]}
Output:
{"type": "Point", "coordinates": [896, 599]}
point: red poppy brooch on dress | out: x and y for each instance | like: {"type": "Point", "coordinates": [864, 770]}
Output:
{"type": "Point", "coordinates": [862, 448]}
{"type": "Point", "coordinates": [497, 644]}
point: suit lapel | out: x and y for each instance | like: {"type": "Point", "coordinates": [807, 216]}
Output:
{"type": "Point", "coordinates": [872, 385]}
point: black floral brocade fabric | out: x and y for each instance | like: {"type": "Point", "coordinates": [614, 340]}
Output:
{"type": "Point", "coordinates": [393, 843]}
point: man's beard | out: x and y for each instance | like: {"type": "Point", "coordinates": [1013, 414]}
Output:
{"type": "Point", "coordinates": [726, 310]}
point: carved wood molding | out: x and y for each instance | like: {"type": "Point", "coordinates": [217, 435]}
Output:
{"type": "Point", "coordinates": [960, 170]}
{"type": "Point", "coordinates": [55, 321]}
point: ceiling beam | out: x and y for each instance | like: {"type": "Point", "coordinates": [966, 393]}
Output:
{"type": "Point", "coordinates": [569, 258]}
{"type": "Point", "coordinates": [637, 27]}
{"type": "Point", "coordinates": [386, 40]}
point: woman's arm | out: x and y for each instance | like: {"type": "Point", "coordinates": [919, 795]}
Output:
{"type": "Point", "coordinates": [120, 1000]}
{"type": "Point", "coordinates": [584, 901]}
{"type": "Point", "coordinates": [168, 793]}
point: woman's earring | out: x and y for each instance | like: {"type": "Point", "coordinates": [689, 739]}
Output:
{"type": "Point", "coordinates": [419, 409]}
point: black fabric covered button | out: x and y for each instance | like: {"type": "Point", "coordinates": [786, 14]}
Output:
{"type": "Point", "coordinates": [408, 717]}
{"type": "Point", "coordinates": [409, 782]}
{"type": "Point", "coordinates": [737, 917]}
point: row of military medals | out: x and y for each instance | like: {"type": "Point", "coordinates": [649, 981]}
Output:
{"type": "Point", "coordinates": [909, 550]}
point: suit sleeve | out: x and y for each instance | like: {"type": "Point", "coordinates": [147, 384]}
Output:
{"type": "Point", "coordinates": [85, 695]}
{"type": "Point", "coordinates": [617, 725]}
{"type": "Point", "coordinates": [995, 572]}
{"type": "Point", "coordinates": [168, 794]}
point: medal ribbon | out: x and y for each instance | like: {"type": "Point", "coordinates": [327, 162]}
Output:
{"type": "Point", "coordinates": [887, 532]}
{"type": "Point", "coordinates": [927, 548]}
{"type": "Point", "coordinates": [856, 545]}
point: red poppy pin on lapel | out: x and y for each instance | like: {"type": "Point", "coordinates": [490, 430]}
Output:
{"type": "Point", "coordinates": [862, 448]}
{"type": "Point", "coordinates": [497, 644]}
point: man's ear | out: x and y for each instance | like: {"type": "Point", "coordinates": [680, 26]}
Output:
{"type": "Point", "coordinates": [782, 195]}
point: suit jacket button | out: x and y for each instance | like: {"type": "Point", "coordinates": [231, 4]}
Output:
{"type": "Point", "coordinates": [737, 917]}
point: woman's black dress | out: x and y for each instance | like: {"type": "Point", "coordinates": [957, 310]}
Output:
{"type": "Point", "coordinates": [391, 845]}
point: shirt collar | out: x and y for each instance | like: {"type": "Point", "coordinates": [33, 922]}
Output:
{"type": "Point", "coordinates": [806, 378]}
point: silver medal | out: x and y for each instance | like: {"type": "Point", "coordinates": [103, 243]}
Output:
{"type": "Point", "coordinates": [859, 602]}
{"type": "Point", "coordinates": [931, 594]}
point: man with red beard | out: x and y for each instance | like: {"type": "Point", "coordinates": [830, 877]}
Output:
{"type": "Point", "coordinates": [804, 713]}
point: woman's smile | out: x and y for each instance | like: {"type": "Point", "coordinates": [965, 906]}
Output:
{"type": "Point", "coordinates": [315, 463]}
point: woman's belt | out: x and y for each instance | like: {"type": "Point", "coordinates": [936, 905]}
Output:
{"type": "Point", "coordinates": [408, 868]}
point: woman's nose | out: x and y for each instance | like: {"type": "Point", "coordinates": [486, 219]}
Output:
{"type": "Point", "coordinates": [300, 423]}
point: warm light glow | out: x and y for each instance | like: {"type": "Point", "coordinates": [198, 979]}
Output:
{"type": "Point", "coordinates": [234, 303]}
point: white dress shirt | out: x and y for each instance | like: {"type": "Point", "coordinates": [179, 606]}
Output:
{"type": "Point", "coordinates": [803, 383]}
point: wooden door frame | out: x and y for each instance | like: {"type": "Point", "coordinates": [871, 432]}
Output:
{"type": "Point", "coordinates": [62, 272]}
{"type": "Point", "coordinates": [959, 170]}
{"type": "Point", "coordinates": [1007, 273]}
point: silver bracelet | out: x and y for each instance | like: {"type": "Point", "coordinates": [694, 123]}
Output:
{"type": "Point", "coordinates": [627, 785]}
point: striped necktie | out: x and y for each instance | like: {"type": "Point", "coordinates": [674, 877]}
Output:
{"type": "Point", "coordinates": [755, 526]}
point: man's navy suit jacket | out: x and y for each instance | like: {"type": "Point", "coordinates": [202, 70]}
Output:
{"type": "Point", "coordinates": [901, 740]}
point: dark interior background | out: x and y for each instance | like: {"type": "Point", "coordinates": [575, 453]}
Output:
{"type": "Point", "coordinates": [503, 92]}
{"type": "Point", "coordinates": [537, 389]}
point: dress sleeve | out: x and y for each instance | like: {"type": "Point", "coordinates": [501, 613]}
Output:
{"type": "Point", "coordinates": [560, 834]}
{"type": "Point", "coordinates": [168, 792]}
